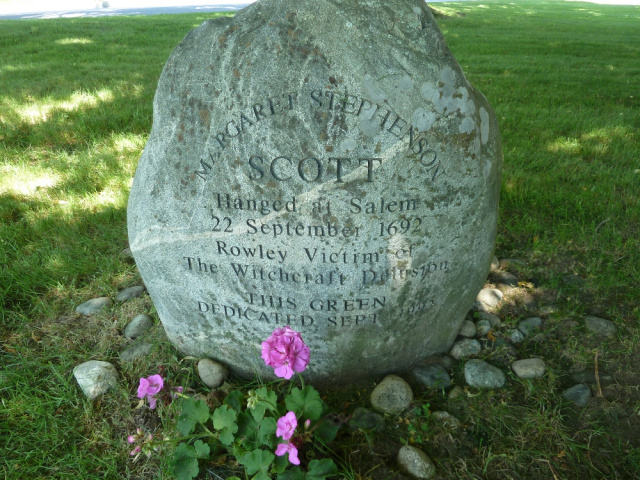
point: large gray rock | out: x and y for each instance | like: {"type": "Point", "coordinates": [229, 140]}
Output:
{"type": "Point", "coordinates": [324, 165]}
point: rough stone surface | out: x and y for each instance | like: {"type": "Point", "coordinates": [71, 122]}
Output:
{"type": "Point", "coordinates": [483, 327]}
{"type": "Point", "coordinates": [432, 376]}
{"type": "Point", "coordinates": [416, 463]}
{"type": "Point", "coordinates": [465, 348]}
{"type": "Point", "coordinates": [516, 336]}
{"type": "Point", "coordinates": [445, 419]}
{"type": "Point", "coordinates": [589, 376]}
{"type": "Point", "coordinates": [129, 293]}
{"type": "Point", "coordinates": [488, 299]}
{"type": "Point", "coordinates": [468, 329]}
{"type": "Point", "coordinates": [212, 373]}
{"type": "Point", "coordinates": [493, 319]}
{"type": "Point", "coordinates": [95, 378]}
{"type": "Point", "coordinates": [135, 351]}
{"type": "Point", "coordinates": [529, 368]}
{"type": "Point", "coordinates": [93, 306]}
{"type": "Point", "coordinates": [392, 395]}
{"type": "Point", "coordinates": [480, 374]}
{"type": "Point", "coordinates": [530, 325]}
{"type": "Point", "coordinates": [138, 326]}
{"type": "Point", "coordinates": [324, 165]}
{"type": "Point", "coordinates": [368, 420]}
{"type": "Point", "coordinates": [600, 326]}
{"type": "Point", "coordinates": [578, 394]}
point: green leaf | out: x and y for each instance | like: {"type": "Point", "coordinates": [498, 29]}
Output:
{"type": "Point", "coordinates": [224, 420]}
{"type": "Point", "coordinates": [185, 464]}
{"type": "Point", "coordinates": [234, 400]}
{"type": "Point", "coordinates": [194, 411]}
{"type": "Point", "coordinates": [326, 431]}
{"type": "Point", "coordinates": [202, 450]}
{"type": "Point", "coordinates": [306, 403]}
{"type": "Point", "coordinates": [257, 462]}
{"type": "Point", "coordinates": [268, 401]}
{"type": "Point", "coordinates": [280, 464]}
{"type": "Point", "coordinates": [292, 474]}
{"type": "Point", "coordinates": [266, 433]}
{"type": "Point", "coordinates": [321, 469]}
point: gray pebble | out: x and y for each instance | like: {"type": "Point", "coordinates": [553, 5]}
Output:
{"type": "Point", "coordinates": [480, 374]}
{"type": "Point", "coordinates": [578, 394]}
{"type": "Point", "coordinates": [446, 419]}
{"type": "Point", "coordinates": [129, 293]}
{"type": "Point", "coordinates": [600, 326]}
{"type": "Point", "coordinates": [506, 278]}
{"type": "Point", "coordinates": [432, 376]}
{"type": "Point", "coordinates": [127, 256]}
{"type": "Point", "coordinates": [468, 329]}
{"type": "Point", "coordinates": [515, 336]}
{"type": "Point", "coordinates": [447, 362]}
{"type": "Point", "coordinates": [392, 395]}
{"type": "Point", "coordinates": [529, 368]}
{"type": "Point", "coordinates": [135, 351]}
{"type": "Point", "coordinates": [465, 348]}
{"type": "Point", "coordinates": [95, 378]}
{"type": "Point", "coordinates": [456, 392]}
{"type": "Point", "coordinates": [212, 373]}
{"type": "Point", "coordinates": [483, 327]}
{"type": "Point", "coordinates": [93, 306]}
{"type": "Point", "coordinates": [488, 298]}
{"type": "Point", "coordinates": [589, 376]}
{"type": "Point", "coordinates": [530, 325]}
{"type": "Point", "coordinates": [368, 420]}
{"type": "Point", "coordinates": [416, 463]}
{"type": "Point", "coordinates": [493, 319]}
{"type": "Point", "coordinates": [138, 326]}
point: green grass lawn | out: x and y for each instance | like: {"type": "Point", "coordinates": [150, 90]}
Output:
{"type": "Point", "coordinates": [75, 112]}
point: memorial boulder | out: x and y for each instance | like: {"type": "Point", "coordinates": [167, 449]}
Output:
{"type": "Point", "coordinates": [319, 164]}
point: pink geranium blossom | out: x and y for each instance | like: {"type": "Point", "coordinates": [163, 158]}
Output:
{"type": "Point", "coordinates": [286, 426]}
{"type": "Point", "coordinates": [284, 448]}
{"type": "Point", "coordinates": [285, 351]}
{"type": "Point", "coordinates": [149, 387]}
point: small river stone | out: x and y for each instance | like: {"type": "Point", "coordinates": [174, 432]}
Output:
{"type": "Point", "coordinates": [416, 463]}
{"type": "Point", "coordinates": [129, 293]}
{"type": "Point", "coordinates": [480, 374]}
{"type": "Point", "coordinates": [465, 348]}
{"type": "Point", "coordinates": [508, 279]}
{"type": "Point", "coordinates": [529, 368]}
{"type": "Point", "coordinates": [578, 394]}
{"type": "Point", "coordinates": [392, 395]}
{"type": "Point", "coordinates": [468, 329]}
{"type": "Point", "coordinates": [368, 420]}
{"type": "Point", "coordinates": [138, 326]}
{"type": "Point", "coordinates": [483, 327]}
{"type": "Point", "coordinates": [589, 376]}
{"type": "Point", "coordinates": [488, 299]}
{"type": "Point", "coordinates": [493, 319]}
{"type": "Point", "coordinates": [600, 326]}
{"type": "Point", "coordinates": [212, 373]}
{"type": "Point", "coordinates": [135, 351]}
{"type": "Point", "coordinates": [446, 419]}
{"type": "Point", "coordinates": [530, 325]}
{"type": "Point", "coordinates": [432, 376]}
{"type": "Point", "coordinates": [95, 378]}
{"type": "Point", "coordinates": [93, 306]}
{"type": "Point", "coordinates": [495, 263]}
{"type": "Point", "coordinates": [515, 336]}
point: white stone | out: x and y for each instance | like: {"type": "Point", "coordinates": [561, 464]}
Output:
{"type": "Point", "coordinates": [416, 463]}
{"type": "Point", "coordinates": [488, 298]}
{"type": "Point", "coordinates": [95, 377]}
{"type": "Point", "coordinates": [529, 368]}
{"type": "Point", "coordinates": [316, 180]}
{"type": "Point", "coordinates": [212, 373]}
{"type": "Point", "coordinates": [468, 329]}
{"type": "Point", "coordinates": [392, 395]}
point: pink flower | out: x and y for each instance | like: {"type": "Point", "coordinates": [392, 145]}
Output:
{"type": "Point", "coordinates": [286, 426]}
{"type": "Point", "coordinates": [285, 351]}
{"type": "Point", "coordinates": [149, 387]}
{"type": "Point", "coordinates": [284, 448]}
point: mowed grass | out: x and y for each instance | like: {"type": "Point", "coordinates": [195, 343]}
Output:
{"type": "Point", "coordinates": [75, 112]}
